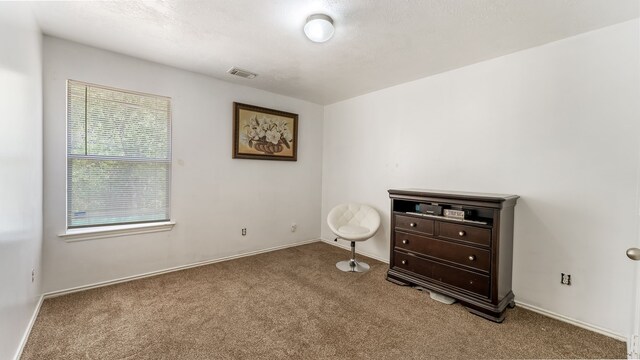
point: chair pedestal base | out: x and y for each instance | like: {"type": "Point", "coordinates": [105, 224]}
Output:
{"type": "Point", "coordinates": [352, 266]}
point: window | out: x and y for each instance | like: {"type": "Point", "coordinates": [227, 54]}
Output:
{"type": "Point", "coordinates": [118, 156]}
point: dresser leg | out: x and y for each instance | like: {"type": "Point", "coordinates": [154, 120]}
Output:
{"type": "Point", "coordinates": [397, 281]}
{"type": "Point", "coordinates": [489, 315]}
{"type": "Point", "coordinates": [512, 304]}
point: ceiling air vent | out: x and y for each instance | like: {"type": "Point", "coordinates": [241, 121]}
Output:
{"type": "Point", "coordinates": [242, 73]}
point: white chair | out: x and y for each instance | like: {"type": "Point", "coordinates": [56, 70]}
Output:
{"type": "Point", "coordinates": [353, 222]}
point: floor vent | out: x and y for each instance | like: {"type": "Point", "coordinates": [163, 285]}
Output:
{"type": "Point", "coordinates": [242, 73]}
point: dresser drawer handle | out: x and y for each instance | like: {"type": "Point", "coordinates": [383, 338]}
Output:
{"type": "Point", "coordinates": [462, 233]}
{"type": "Point", "coordinates": [472, 257]}
{"type": "Point", "coordinates": [413, 224]}
{"type": "Point", "coordinates": [404, 262]}
{"type": "Point", "coordinates": [405, 241]}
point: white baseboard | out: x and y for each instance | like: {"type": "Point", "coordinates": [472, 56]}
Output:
{"type": "Point", "coordinates": [172, 269]}
{"type": "Point", "coordinates": [27, 332]}
{"type": "Point", "coordinates": [571, 321]}
{"type": "Point", "coordinates": [360, 252]}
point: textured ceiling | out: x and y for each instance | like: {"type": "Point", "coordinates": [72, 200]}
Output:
{"type": "Point", "coordinates": [377, 43]}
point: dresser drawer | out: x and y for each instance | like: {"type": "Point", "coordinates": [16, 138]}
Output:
{"type": "Point", "coordinates": [465, 255]}
{"type": "Point", "coordinates": [463, 279]}
{"type": "Point", "coordinates": [424, 226]}
{"type": "Point", "coordinates": [473, 234]}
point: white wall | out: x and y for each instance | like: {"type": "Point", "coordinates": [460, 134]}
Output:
{"type": "Point", "coordinates": [557, 125]}
{"type": "Point", "coordinates": [20, 173]}
{"type": "Point", "coordinates": [213, 196]}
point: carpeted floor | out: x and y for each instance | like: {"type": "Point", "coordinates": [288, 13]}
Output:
{"type": "Point", "coordinates": [291, 303]}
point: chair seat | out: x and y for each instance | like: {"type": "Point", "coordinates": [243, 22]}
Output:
{"type": "Point", "coordinates": [353, 222]}
{"type": "Point", "coordinates": [351, 230]}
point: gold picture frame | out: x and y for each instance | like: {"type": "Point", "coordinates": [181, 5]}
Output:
{"type": "Point", "coordinates": [264, 134]}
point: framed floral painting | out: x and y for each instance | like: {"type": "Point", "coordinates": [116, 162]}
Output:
{"type": "Point", "coordinates": [265, 134]}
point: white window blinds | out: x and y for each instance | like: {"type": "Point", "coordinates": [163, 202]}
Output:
{"type": "Point", "coordinates": [118, 156]}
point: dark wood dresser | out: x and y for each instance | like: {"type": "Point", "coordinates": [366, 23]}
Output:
{"type": "Point", "coordinates": [467, 259]}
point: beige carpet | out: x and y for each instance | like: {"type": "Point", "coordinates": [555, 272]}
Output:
{"type": "Point", "coordinates": [291, 303]}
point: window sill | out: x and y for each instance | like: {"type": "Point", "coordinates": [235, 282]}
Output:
{"type": "Point", "coordinates": [101, 232]}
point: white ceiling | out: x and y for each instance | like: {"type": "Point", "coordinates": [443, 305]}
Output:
{"type": "Point", "coordinates": [377, 43]}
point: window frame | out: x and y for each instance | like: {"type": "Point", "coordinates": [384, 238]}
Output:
{"type": "Point", "coordinates": [96, 231]}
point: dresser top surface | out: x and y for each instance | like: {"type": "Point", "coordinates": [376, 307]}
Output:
{"type": "Point", "coordinates": [462, 195]}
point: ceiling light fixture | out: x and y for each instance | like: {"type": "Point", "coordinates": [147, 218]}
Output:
{"type": "Point", "coordinates": [319, 28]}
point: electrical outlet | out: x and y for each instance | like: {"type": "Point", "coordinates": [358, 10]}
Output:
{"type": "Point", "coordinates": [33, 275]}
{"type": "Point", "coordinates": [294, 227]}
{"type": "Point", "coordinates": [244, 231]}
{"type": "Point", "coordinates": [565, 279]}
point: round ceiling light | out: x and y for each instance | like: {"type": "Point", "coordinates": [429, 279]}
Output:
{"type": "Point", "coordinates": [319, 28]}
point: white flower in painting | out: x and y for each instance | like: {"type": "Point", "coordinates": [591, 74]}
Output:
{"type": "Point", "coordinates": [244, 139]}
{"type": "Point", "coordinates": [286, 134]}
{"type": "Point", "coordinates": [273, 137]}
{"type": "Point", "coordinates": [253, 134]}
{"type": "Point", "coordinates": [265, 123]}
{"type": "Point", "coordinates": [253, 122]}
{"type": "Point", "coordinates": [281, 125]}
